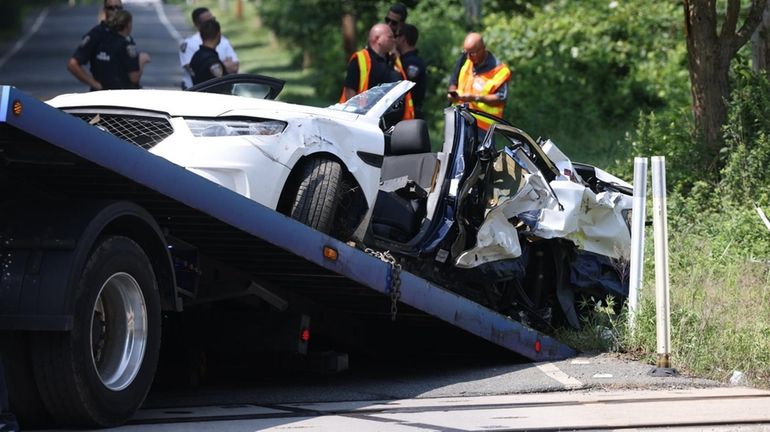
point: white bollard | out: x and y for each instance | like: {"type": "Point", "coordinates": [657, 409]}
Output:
{"type": "Point", "coordinates": [660, 235]}
{"type": "Point", "coordinates": [638, 215]}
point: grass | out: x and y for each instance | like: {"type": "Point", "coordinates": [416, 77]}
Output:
{"type": "Point", "coordinates": [720, 314]}
{"type": "Point", "coordinates": [261, 53]}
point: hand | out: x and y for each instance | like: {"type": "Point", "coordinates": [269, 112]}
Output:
{"type": "Point", "coordinates": [144, 58]}
{"type": "Point", "coordinates": [230, 65]}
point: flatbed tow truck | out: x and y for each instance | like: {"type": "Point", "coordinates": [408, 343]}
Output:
{"type": "Point", "coordinates": [100, 239]}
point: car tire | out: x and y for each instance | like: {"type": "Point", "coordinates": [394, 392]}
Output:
{"type": "Point", "coordinates": [318, 194]}
{"type": "Point", "coordinates": [99, 373]}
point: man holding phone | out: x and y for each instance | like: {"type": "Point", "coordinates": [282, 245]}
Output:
{"type": "Point", "coordinates": [480, 80]}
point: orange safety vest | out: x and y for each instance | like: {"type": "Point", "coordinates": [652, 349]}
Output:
{"type": "Point", "coordinates": [365, 67]}
{"type": "Point", "coordinates": [481, 85]}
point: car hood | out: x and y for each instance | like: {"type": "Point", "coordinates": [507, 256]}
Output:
{"type": "Point", "coordinates": [177, 103]}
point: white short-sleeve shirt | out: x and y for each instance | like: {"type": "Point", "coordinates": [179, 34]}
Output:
{"type": "Point", "coordinates": [190, 46]}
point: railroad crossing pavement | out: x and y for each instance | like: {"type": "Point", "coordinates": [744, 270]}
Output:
{"type": "Point", "coordinates": [716, 408]}
{"type": "Point", "coordinates": [589, 392]}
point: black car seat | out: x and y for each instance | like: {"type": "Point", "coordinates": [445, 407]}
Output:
{"type": "Point", "coordinates": [408, 172]}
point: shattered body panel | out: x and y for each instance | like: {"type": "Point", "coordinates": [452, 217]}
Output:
{"type": "Point", "coordinates": [512, 224]}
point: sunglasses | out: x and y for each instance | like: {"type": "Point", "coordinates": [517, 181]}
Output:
{"type": "Point", "coordinates": [391, 21]}
{"type": "Point", "coordinates": [113, 7]}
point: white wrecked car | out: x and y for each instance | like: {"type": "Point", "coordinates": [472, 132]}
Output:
{"type": "Point", "coordinates": [510, 222]}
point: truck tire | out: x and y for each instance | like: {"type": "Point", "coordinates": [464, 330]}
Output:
{"type": "Point", "coordinates": [99, 373]}
{"type": "Point", "coordinates": [25, 399]}
{"type": "Point", "coordinates": [318, 194]}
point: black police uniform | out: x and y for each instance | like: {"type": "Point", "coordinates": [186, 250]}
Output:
{"type": "Point", "coordinates": [415, 70]}
{"type": "Point", "coordinates": [115, 57]}
{"type": "Point", "coordinates": [7, 419]}
{"type": "Point", "coordinates": [204, 63]}
{"type": "Point", "coordinates": [86, 51]}
{"type": "Point", "coordinates": [383, 71]}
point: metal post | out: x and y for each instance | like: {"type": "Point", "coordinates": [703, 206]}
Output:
{"type": "Point", "coordinates": [637, 239]}
{"type": "Point", "coordinates": [660, 234]}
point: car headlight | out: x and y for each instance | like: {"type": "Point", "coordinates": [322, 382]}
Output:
{"type": "Point", "coordinates": [219, 128]}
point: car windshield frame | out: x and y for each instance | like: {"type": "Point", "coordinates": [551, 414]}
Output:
{"type": "Point", "coordinates": [362, 103]}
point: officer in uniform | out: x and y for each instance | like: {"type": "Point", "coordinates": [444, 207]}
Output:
{"type": "Point", "coordinates": [87, 50]}
{"type": "Point", "coordinates": [373, 66]}
{"type": "Point", "coordinates": [414, 66]}
{"type": "Point", "coordinates": [205, 63]}
{"type": "Point", "coordinates": [117, 63]}
{"type": "Point", "coordinates": [190, 46]}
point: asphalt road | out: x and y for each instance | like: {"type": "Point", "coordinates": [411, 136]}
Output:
{"type": "Point", "coordinates": [36, 62]}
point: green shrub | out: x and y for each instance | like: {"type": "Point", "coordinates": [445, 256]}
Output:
{"type": "Point", "coordinates": [583, 68]}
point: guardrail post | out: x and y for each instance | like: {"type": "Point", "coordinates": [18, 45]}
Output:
{"type": "Point", "coordinates": [660, 235]}
{"type": "Point", "coordinates": [636, 274]}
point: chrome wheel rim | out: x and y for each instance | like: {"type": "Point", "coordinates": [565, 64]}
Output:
{"type": "Point", "coordinates": [118, 331]}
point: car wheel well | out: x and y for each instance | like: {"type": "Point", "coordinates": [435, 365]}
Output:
{"type": "Point", "coordinates": [353, 201]}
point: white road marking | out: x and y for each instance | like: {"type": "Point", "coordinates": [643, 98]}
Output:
{"type": "Point", "coordinates": [20, 43]}
{"type": "Point", "coordinates": [166, 23]}
{"type": "Point", "coordinates": [554, 372]}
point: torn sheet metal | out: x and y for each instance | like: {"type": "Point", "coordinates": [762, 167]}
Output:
{"type": "Point", "coordinates": [514, 191]}
{"type": "Point", "coordinates": [593, 222]}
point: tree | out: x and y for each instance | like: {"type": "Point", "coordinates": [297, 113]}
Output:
{"type": "Point", "coordinates": [760, 44]}
{"type": "Point", "coordinates": [709, 52]}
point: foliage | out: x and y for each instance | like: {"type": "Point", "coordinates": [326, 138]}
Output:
{"type": "Point", "coordinates": [579, 68]}
{"type": "Point", "coordinates": [314, 27]}
{"type": "Point", "coordinates": [719, 249]}
{"type": "Point", "coordinates": [602, 326]}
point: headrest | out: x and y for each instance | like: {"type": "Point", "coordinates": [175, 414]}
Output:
{"type": "Point", "coordinates": [409, 137]}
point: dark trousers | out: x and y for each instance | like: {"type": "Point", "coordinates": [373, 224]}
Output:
{"type": "Point", "coordinates": [4, 405]}
{"type": "Point", "coordinates": [7, 420]}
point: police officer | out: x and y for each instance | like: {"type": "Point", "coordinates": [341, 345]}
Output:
{"type": "Point", "coordinates": [117, 64]}
{"type": "Point", "coordinates": [205, 63]}
{"type": "Point", "coordinates": [86, 51]}
{"type": "Point", "coordinates": [414, 66]}
{"type": "Point", "coordinates": [190, 46]}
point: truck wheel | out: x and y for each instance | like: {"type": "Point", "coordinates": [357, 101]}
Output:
{"type": "Point", "coordinates": [99, 373]}
{"type": "Point", "coordinates": [318, 194]}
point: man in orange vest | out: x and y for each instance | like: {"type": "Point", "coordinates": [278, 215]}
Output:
{"type": "Point", "coordinates": [479, 79]}
{"type": "Point", "coordinates": [373, 66]}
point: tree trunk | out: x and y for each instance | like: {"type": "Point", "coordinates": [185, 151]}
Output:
{"type": "Point", "coordinates": [239, 9]}
{"type": "Point", "coordinates": [760, 44]}
{"type": "Point", "coordinates": [349, 34]}
{"type": "Point", "coordinates": [709, 54]}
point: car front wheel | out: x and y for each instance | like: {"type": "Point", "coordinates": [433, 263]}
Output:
{"type": "Point", "coordinates": [318, 195]}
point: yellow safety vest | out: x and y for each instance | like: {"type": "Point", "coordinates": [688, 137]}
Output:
{"type": "Point", "coordinates": [481, 85]}
{"type": "Point", "coordinates": [365, 67]}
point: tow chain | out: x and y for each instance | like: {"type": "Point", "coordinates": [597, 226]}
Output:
{"type": "Point", "coordinates": [395, 278]}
